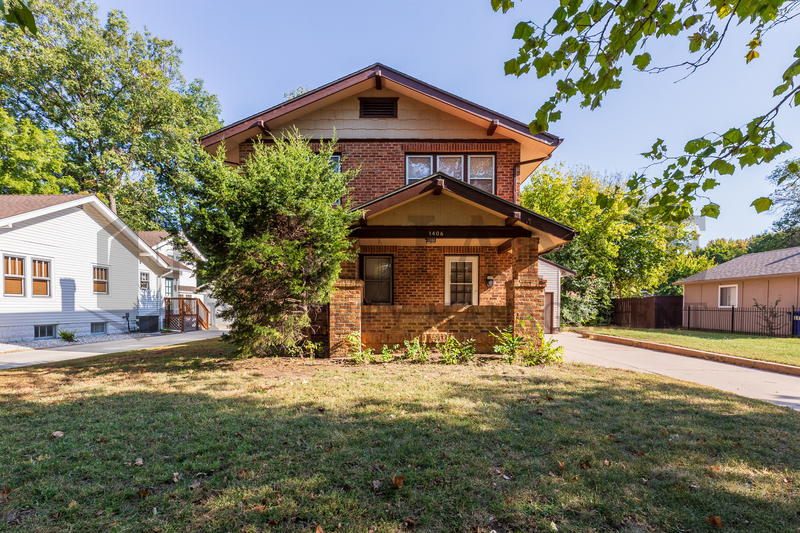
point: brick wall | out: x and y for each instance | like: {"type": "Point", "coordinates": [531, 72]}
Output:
{"type": "Point", "coordinates": [392, 324]}
{"type": "Point", "coordinates": [383, 162]}
{"type": "Point", "coordinates": [419, 272]}
{"type": "Point", "coordinates": [344, 314]}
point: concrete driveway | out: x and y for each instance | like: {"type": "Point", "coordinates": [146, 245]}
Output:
{"type": "Point", "coordinates": [776, 388]}
{"type": "Point", "coordinates": [50, 355]}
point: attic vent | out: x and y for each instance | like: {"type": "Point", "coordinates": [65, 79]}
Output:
{"type": "Point", "coordinates": [378, 107]}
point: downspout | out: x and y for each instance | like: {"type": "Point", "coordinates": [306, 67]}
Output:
{"type": "Point", "coordinates": [517, 167]}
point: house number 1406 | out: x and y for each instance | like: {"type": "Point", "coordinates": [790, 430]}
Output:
{"type": "Point", "coordinates": [435, 234]}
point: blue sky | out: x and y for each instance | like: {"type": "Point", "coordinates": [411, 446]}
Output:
{"type": "Point", "coordinates": [250, 53]}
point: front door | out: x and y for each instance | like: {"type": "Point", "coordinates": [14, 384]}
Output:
{"type": "Point", "coordinates": [461, 280]}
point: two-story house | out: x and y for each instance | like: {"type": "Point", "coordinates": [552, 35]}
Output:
{"type": "Point", "coordinates": [444, 247]}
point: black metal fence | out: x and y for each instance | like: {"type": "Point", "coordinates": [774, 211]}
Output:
{"type": "Point", "coordinates": [769, 321]}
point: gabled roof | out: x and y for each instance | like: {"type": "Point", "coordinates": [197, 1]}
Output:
{"type": "Point", "coordinates": [19, 208]}
{"type": "Point", "coordinates": [18, 204]}
{"type": "Point", "coordinates": [774, 263]}
{"type": "Point", "coordinates": [153, 238]}
{"type": "Point", "coordinates": [567, 271]}
{"type": "Point", "coordinates": [439, 182]}
{"type": "Point", "coordinates": [396, 79]}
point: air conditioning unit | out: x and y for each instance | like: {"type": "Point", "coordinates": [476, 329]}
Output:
{"type": "Point", "coordinates": [147, 323]}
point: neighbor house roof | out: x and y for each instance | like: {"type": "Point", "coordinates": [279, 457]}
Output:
{"type": "Point", "coordinates": [774, 263]}
{"type": "Point", "coordinates": [18, 204]}
{"type": "Point", "coordinates": [153, 238]}
{"type": "Point", "coordinates": [379, 76]}
{"type": "Point", "coordinates": [19, 208]}
{"type": "Point", "coordinates": [567, 271]}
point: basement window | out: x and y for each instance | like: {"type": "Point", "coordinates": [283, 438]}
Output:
{"type": "Point", "coordinates": [44, 332]}
{"type": "Point", "coordinates": [377, 108]}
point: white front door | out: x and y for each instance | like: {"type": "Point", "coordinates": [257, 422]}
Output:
{"type": "Point", "coordinates": [461, 280]}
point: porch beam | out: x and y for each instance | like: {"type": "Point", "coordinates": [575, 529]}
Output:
{"type": "Point", "coordinates": [506, 246]}
{"type": "Point", "coordinates": [516, 217]}
{"type": "Point", "coordinates": [439, 232]}
{"type": "Point", "coordinates": [492, 127]}
{"type": "Point", "coordinates": [378, 80]}
{"type": "Point", "coordinates": [439, 187]}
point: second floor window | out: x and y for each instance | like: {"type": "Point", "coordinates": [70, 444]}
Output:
{"type": "Point", "coordinates": [477, 170]}
{"type": "Point", "coordinates": [144, 281]}
{"type": "Point", "coordinates": [100, 278]}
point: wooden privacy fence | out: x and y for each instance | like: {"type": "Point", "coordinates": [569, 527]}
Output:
{"type": "Point", "coordinates": [185, 314]}
{"type": "Point", "coordinates": [770, 321]}
{"type": "Point", "coordinates": [650, 312]}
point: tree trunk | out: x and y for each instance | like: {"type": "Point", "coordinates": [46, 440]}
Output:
{"type": "Point", "coordinates": [112, 202]}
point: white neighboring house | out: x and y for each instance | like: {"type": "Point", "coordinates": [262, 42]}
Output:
{"type": "Point", "coordinates": [70, 263]}
{"type": "Point", "coordinates": [553, 273]}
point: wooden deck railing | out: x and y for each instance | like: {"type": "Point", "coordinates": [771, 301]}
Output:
{"type": "Point", "coordinates": [185, 314]}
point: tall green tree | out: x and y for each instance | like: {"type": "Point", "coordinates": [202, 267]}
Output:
{"type": "Point", "coordinates": [719, 251]}
{"type": "Point", "coordinates": [273, 239]}
{"type": "Point", "coordinates": [586, 43]}
{"type": "Point", "coordinates": [31, 160]}
{"type": "Point", "coordinates": [622, 250]}
{"type": "Point", "coordinates": [115, 97]}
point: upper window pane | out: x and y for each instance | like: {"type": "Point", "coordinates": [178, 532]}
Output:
{"type": "Point", "coordinates": [481, 172]}
{"type": "Point", "coordinates": [100, 280]}
{"type": "Point", "coordinates": [41, 277]}
{"type": "Point", "coordinates": [14, 276]}
{"type": "Point", "coordinates": [452, 165]}
{"type": "Point", "coordinates": [144, 281]}
{"type": "Point", "coordinates": [418, 167]}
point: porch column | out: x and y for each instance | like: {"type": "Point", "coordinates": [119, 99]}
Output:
{"type": "Point", "coordinates": [525, 291]}
{"type": "Point", "coordinates": [345, 314]}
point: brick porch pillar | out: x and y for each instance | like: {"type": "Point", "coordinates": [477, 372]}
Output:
{"type": "Point", "coordinates": [525, 291]}
{"type": "Point", "coordinates": [345, 314]}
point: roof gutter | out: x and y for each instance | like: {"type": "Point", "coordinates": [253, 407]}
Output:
{"type": "Point", "coordinates": [517, 166]}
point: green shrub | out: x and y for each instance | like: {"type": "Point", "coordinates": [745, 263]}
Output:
{"type": "Point", "coordinates": [67, 335]}
{"type": "Point", "coordinates": [509, 344]}
{"type": "Point", "coordinates": [416, 351]}
{"type": "Point", "coordinates": [454, 352]}
{"type": "Point", "coordinates": [387, 352]}
{"type": "Point", "coordinates": [547, 352]}
{"type": "Point", "coordinates": [357, 350]}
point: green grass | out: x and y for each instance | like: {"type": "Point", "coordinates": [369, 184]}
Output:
{"type": "Point", "coordinates": [289, 445]}
{"type": "Point", "coordinates": [777, 350]}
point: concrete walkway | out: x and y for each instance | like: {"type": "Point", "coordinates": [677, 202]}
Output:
{"type": "Point", "coordinates": [50, 355]}
{"type": "Point", "coordinates": [776, 388]}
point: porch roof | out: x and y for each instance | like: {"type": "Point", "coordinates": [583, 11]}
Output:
{"type": "Point", "coordinates": [507, 220]}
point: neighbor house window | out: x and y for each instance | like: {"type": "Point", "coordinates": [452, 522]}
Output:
{"type": "Point", "coordinates": [144, 281]}
{"type": "Point", "coordinates": [169, 287]}
{"type": "Point", "coordinates": [41, 277]}
{"type": "Point", "coordinates": [13, 276]}
{"type": "Point", "coordinates": [44, 332]}
{"type": "Point", "coordinates": [377, 274]}
{"type": "Point", "coordinates": [461, 280]}
{"type": "Point", "coordinates": [728, 296]}
{"type": "Point", "coordinates": [100, 280]}
{"type": "Point", "coordinates": [98, 328]}
{"type": "Point", "coordinates": [477, 170]}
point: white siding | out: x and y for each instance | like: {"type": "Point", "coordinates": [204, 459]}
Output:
{"type": "Point", "coordinates": [75, 240]}
{"type": "Point", "coordinates": [553, 277]}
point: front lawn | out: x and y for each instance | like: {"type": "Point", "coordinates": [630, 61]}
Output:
{"type": "Point", "coordinates": [777, 350]}
{"type": "Point", "coordinates": [188, 438]}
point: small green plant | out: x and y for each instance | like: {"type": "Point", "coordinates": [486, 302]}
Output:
{"type": "Point", "coordinates": [387, 352]}
{"type": "Point", "coordinates": [544, 352]}
{"type": "Point", "coordinates": [454, 352]}
{"type": "Point", "coordinates": [357, 350]}
{"type": "Point", "coordinates": [416, 350]}
{"type": "Point", "coordinates": [67, 335]}
{"type": "Point", "coordinates": [508, 344]}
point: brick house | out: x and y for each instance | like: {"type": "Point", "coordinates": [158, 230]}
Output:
{"type": "Point", "coordinates": [444, 249]}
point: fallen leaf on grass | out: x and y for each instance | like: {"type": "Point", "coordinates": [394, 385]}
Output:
{"type": "Point", "coordinates": [410, 522]}
{"type": "Point", "coordinates": [397, 481]}
{"type": "Point", "coordinates": [139, 461]}
{"type": "Point", "coordinates": [102, 441]}
{"type": "Point", "coordinates": [99, 513]}
{"type": "Point", "coordinates": [606, 462]}
{"type": "Point", "coordinates": [586, 465]}
{"type": "Point", "coordinates": [714, 521]}
{"type": "Point", "coordinates": [72, 504]}
{"type": "Point", "coordinates": [195, 485]}
{"type": "Point", "coordinates": [57, 435]}
{"type": "Point", "coordinates": [319, 529]}
{"type": "Point", "coordinates": [176, 476]}
{"type": "Point", "coordinates": [561, 465]}
{"type": "Point", "coordinates": [376, 484]}
{"type": "Point", "coordinates": [549, 398]}
{"type": "Point", "coordinates": [142, 493]}
{"type": "Point", "coordinates": [241, 474]}
{"type": "Point", "coordinates": [640, 453]}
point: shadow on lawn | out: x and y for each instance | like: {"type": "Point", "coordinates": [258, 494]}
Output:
{"type": "Point", "coordinates": [480, 453]}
